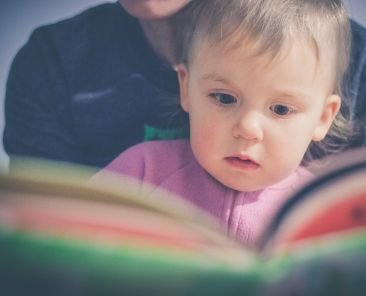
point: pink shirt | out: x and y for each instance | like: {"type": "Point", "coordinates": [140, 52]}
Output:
{"type": "Point", "coordinates": [172, 166]}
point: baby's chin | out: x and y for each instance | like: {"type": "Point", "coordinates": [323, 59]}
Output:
{"type": "Point", "coordinates": [250, 184]}
{"type": "Point", "coordinates": [246, 186]}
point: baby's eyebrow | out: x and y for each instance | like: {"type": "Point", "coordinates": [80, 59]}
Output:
{"type": "Point", "coordinates": [292, 94]}
{"type": "Point", "coordinates": [214, 77]}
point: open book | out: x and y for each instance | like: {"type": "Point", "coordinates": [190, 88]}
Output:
{"type": "Point", "coordinates": [61, 235]}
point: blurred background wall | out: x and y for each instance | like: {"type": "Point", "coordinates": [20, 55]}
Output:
{"type": "Point", "coordinates": [18, 18]}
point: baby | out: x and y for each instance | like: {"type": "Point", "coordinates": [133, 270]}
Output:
{"type": "Point", "coordinates": [260, 81]}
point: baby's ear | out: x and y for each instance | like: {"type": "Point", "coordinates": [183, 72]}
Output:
{"type": "Point", "coordinates": [182, 72]}
{"type": "Point", "coordinates": [330, 110]}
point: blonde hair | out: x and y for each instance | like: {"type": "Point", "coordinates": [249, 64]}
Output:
{"type": "Point", "coordinates": [322, 23]}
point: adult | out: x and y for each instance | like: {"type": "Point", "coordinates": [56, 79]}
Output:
{"type": "Point", "coordinates": [86, 88]}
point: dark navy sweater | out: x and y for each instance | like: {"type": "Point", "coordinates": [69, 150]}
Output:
{"type": "Point", "coordinates": [86, 88]}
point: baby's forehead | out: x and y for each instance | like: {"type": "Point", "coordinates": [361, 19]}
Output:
{"type": "Point", "coordinates": [257, 47]}
{"type": "Point", "coordinates": [254, 52]}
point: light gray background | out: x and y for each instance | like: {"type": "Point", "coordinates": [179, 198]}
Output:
{"type": "Point", "coordinates": [18, 18]}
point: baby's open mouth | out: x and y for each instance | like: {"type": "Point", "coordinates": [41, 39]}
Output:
{"type": "Point", "coordinates": [241, 162]}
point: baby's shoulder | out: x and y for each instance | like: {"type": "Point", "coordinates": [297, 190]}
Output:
{"type": "Point", "coordinates": [173, 153]}
{"type": "Point", "coordinates": [163, 148]}
{"type": "Point", "coordinates": [157, 160]}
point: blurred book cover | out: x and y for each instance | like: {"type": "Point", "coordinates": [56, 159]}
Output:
{"type": "Point", "coordinates": [62, 235]}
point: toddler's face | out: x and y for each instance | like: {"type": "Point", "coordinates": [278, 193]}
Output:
{"type": "Point", "coordinates": [253, 118]}
{"type": "Point", "coordinates": [153, 9]}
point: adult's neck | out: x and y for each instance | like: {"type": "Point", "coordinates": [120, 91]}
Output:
{"type": "Point", "coordinates": [159, 33]}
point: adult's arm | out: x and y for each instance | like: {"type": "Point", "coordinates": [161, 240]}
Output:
{"type": "Point", "coordinates": [37, 123]}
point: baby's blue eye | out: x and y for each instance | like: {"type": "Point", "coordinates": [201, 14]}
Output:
{"type": "Point", "coordinates": [223, 99]}
{"type": "Point", "coordinates": [281, 110]}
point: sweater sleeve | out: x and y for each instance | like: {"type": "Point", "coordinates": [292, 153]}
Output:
{"type": "Point", "coordinates": [35, 118]}
{"type": "Point", "coordinates": [355, 81]}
